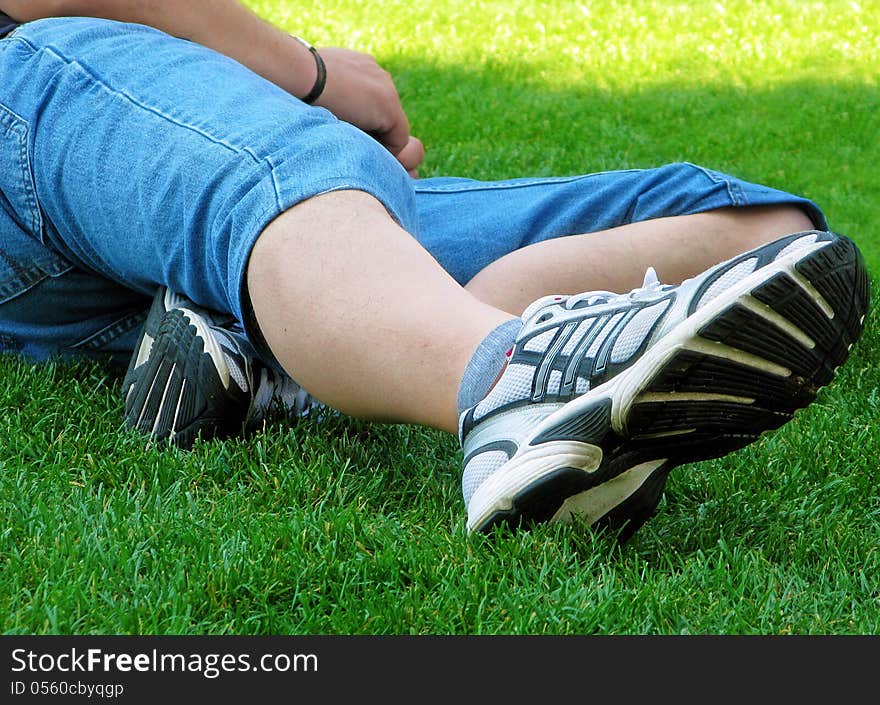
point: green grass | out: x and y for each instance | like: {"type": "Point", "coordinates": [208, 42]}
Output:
{"type": "Point", "coordinates": [345, 528]}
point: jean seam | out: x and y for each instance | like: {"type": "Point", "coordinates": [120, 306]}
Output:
{"type": "Point", "coordinates": [139, 103]}
{"type": "Point", "coordinates": [97, 80]}
{"type": "Point", "coordinates": [261, 163]}
{"type": "Point", "coordinates": [513, 184]}
{"type": "Point", "coordinates": [97, 341]}
{"type": "Point", "coordinates": [734, 191]}
{"type": "Point", "coordinates": [24, 280]}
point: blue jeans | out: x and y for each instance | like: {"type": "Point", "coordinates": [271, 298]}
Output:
{"type": "Point", "coordinates": [132, 159]}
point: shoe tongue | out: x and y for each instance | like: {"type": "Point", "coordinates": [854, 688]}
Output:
{"type": "Point", "coordinates": [651, 278]}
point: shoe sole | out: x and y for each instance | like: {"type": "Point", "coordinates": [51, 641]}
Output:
{"type": "Point", "coordinates": [162, 401]}
{"type": "Point", "coordinates": [738, 367]}
{"type": "Point", "coordinates": [145, 341]}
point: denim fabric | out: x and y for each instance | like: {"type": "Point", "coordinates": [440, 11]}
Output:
{"type": "Point", "coordinates": [132, 159]}
{"type": "Point", "coordinates": [468, 224]}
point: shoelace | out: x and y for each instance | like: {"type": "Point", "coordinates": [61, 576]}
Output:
{"type": "Point", "coordinates": [649, 288]}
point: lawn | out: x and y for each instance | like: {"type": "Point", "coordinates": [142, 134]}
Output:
{"type": "Point", "coordinates": [339, 527]}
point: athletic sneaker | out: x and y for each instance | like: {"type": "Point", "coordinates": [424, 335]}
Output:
{"type": "Point", "coordinates": [194, 374]}
{"type": "Point", "coordinates": [604, 394]}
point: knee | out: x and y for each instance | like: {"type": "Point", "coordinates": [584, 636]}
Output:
{"type": "Point", "coordinates": [342, 158]}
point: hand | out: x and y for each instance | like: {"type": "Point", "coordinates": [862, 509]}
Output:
{"type": "Point", "coordinates": [361, 92]}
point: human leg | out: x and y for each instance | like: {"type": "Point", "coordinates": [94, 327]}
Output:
{"type": "Point", "coordinates": [48, 306]}
{"type": "Point", "coordinates": [394, 330]}
{"type": "Point", "coordinates": [512, 241]}
{"type": "Point", "coordinates": [677, 247]}
{"type": "Point", "coordinates": [680, 219]}
{"type": "Point", "coordinates": [40, 295]}
{"type": "Point", "coordinates": [204, 178]}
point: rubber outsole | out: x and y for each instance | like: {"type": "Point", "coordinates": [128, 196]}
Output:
{"type": "Point", "coordinates": [165, 404]}
{"type": "Point", "coordinates": [723, 404]}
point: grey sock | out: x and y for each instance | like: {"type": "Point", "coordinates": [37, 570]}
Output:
{"type": "Point", "coordinates": [486, 364]}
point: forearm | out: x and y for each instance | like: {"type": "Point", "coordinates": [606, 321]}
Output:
{"type": "Point", "coordinates": [226, 26]}
{"type": "Point", "coordinates": [357, 89]}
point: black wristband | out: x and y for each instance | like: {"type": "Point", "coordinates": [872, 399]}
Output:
{"type": "Point", "coordinates": [320, 79]}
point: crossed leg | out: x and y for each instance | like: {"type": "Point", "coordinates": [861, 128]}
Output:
{"type": "Point", "coordinates": [591, 405]}
{"type": "Point", "coordinates": [373, 326]}
{"type": "Point", "coordinates": [369, 322]}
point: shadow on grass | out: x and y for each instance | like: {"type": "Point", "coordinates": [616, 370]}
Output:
{"type": "Point", "coordinates": [817, 140]}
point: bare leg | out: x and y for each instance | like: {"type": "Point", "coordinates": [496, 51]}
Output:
{"type": "Point", "coordinates": [361, 315]}
{"type": "Point", "coordinates": [615, 260]}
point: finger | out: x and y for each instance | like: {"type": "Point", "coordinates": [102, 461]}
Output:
{"type": "Point", "coordinates": [412, 154]}
{"type": "Point", "coordinates": [395, 136]}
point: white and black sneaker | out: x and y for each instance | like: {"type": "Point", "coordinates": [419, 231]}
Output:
{"type": "Point", "coordinates": [194, 375]}
{"type": "Point", "coordinates": [604, 394]}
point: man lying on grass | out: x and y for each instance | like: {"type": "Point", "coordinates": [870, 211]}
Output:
{"type": "Point", "coordinates": [227, 209]}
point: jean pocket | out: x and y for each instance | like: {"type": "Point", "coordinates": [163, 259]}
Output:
{"type": "Point", "coordinates": [17, 184]}
{"type": "Point", "coordinates": [24, 259]}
